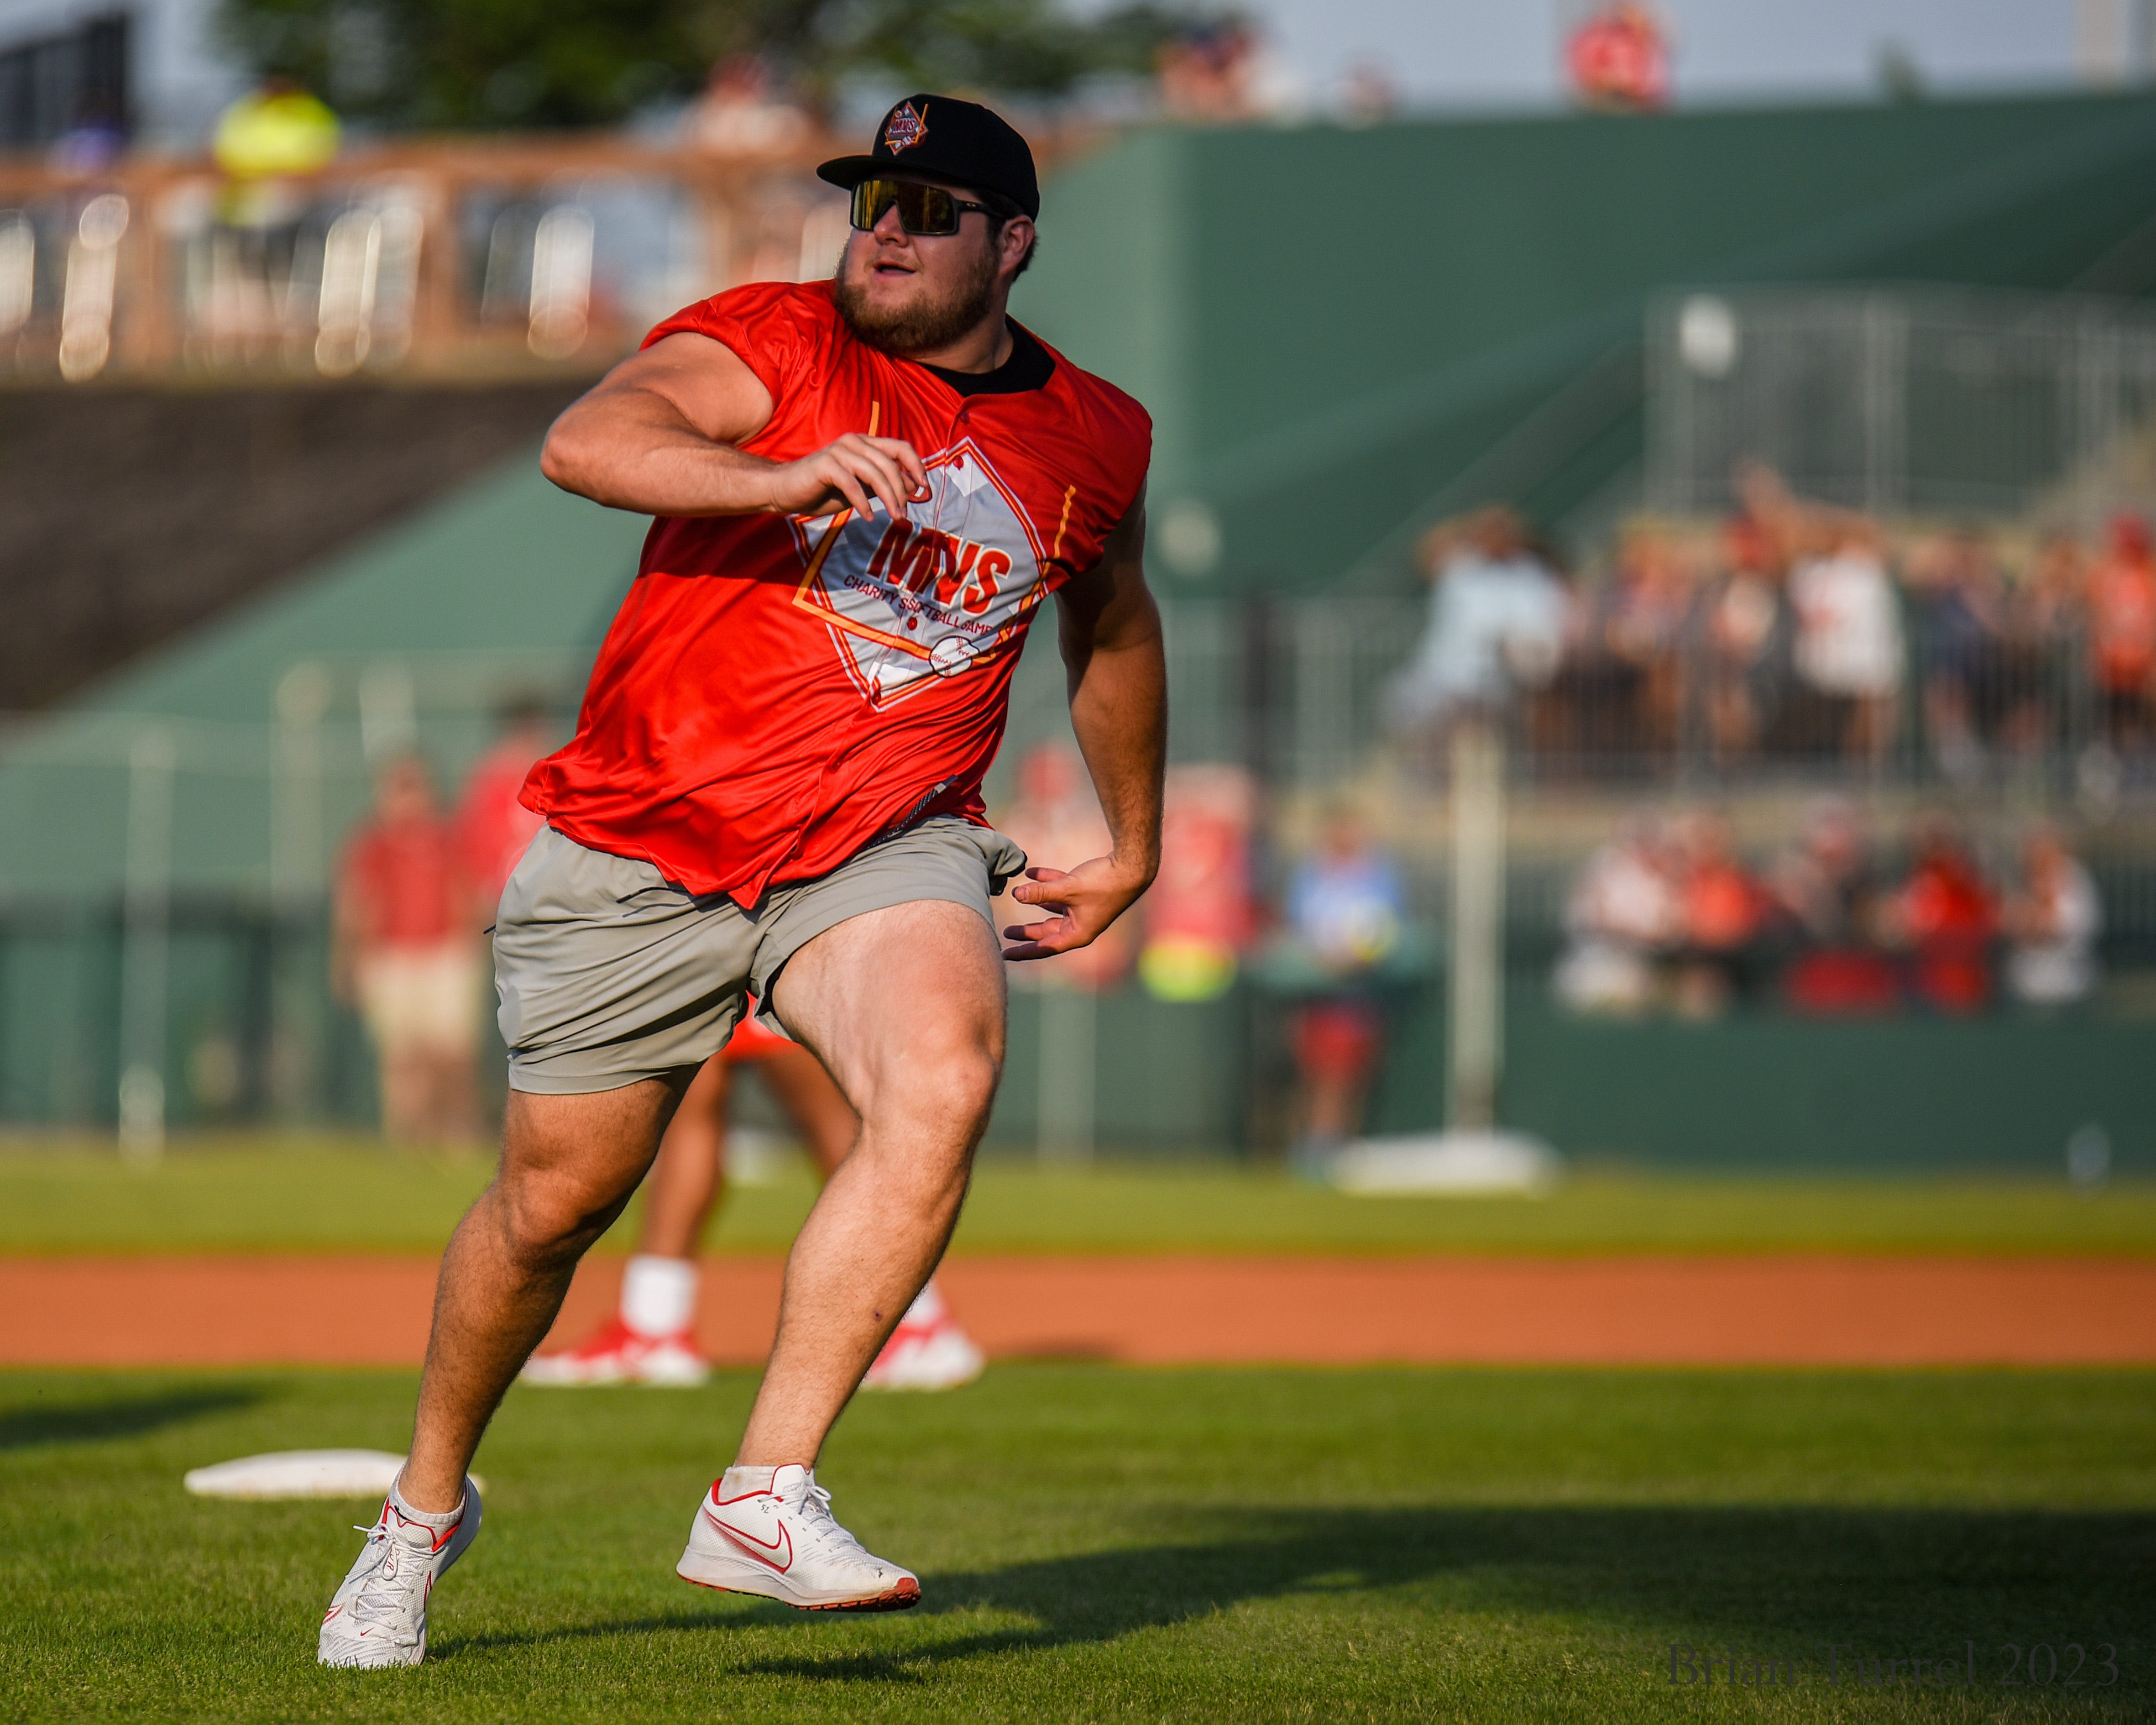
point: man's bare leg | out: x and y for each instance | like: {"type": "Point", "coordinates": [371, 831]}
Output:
{"type": "Point", "coordinates": [805, 1089]}
{"type": "Point", "coordinates": [568, 1165]}
{"type": "Point", "coordinates": [905, 1006]}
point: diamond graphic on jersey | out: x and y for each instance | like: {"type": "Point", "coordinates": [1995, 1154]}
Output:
{"type": "Point", "coordinates": [934, 594]}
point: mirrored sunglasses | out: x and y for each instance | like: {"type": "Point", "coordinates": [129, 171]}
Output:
{"type": "Point", "coordinates": [922, 209]}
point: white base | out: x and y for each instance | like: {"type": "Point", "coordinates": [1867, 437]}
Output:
{"type": "Point", "coordinates": [301, 1473]}
{"type": "Point", "coordinates": [1454, 1162]}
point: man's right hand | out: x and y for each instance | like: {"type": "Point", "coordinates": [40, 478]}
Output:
{"type": "Point", "coordinates": [846, 474]}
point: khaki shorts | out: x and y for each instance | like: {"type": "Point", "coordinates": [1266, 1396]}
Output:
{"type": "Point", "coordinates": [608, 974]}
{"type": "Point", "coordinates": [416, 1000]}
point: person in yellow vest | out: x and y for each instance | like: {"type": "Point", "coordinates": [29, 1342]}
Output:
{"type": "Point", "coordinates": [275, 130]}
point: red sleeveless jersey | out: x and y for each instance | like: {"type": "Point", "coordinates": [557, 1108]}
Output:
{"type": "Point", "coordinates": [777, 691]}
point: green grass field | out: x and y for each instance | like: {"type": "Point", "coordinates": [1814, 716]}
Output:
{"type": "Point", "coordinates": [253, 1195]}
{"type": "Point", "coordinates": [1098, 1544]}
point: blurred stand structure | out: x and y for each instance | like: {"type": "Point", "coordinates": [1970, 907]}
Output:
{"type": "Point", "coordinates": [448, 256]}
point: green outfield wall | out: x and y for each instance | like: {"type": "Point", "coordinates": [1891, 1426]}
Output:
{"type": "Point", "coordinates": [1756, 1091]}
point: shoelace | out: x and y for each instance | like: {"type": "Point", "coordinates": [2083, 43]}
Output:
{"type": "Point", "coordinates": [377, 1604]}
{"type": "Point", "coordinates": [823, 1526]}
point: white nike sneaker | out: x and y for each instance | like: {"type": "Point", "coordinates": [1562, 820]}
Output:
{"type": "Point", "coordinates": [770, 1531]}
{"type": "Point", "coordinates": [379, 1616]}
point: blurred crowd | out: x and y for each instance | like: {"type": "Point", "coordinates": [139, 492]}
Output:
{"type": "Point", "coordinates": [1796, 631]}
{"type": "Point", "coordinates": [1670, 915]}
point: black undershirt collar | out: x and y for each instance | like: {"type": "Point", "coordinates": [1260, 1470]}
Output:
{"type": "Point", "coordinates": [1029, 366]}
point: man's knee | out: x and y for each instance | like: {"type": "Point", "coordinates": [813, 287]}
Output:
{"type": "Point", "coordinates": [923, 1117]}
{"type": "Point", "coordinates": [570, 1163]}
{"type": "Point", "coordinates": [548, 1216]}
{"type": "Point", "coordinates": [948, 1081]}
{"type": "Point", "coordinates": [551, 1203]}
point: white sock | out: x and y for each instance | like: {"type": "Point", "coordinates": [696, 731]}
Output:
{"type": "Point", "coordinates": [659, 1295]}
{"type": "Point", "coordinates": [435, 1519]}
{"type": "Point", "coordinates": [927, 1307]}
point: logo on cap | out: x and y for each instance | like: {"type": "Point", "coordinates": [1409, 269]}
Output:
{"type": "Point", "coordinates": [905, 127]}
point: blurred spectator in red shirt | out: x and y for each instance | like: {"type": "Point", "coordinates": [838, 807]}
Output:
{"type": "Point", "coordinates": [2053, 922]}
{"type": "Point", "coordinates": [1946, 914]}
{"type": "Point", "coordinates": [1619, 59]}
{"type": "Point", "coordinates": [2122, 608]}
{"type": "Point", "coordinates": [494, 828]}
{"type": "Point", "coordinates": [1828, 889]}
{"type": "Point", "coordinates": [1720, 910]}
{"type": "Point", "coordinates": [1200, 915]}
{"type": "Point", "coordinates": [402, 951]}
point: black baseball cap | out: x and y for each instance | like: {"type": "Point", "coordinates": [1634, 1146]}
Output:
{"type": "Point", "coordinates": [941, 138]}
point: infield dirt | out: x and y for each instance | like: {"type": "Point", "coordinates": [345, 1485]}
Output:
{"type": "Point", "coordinates": [1171, 1309]}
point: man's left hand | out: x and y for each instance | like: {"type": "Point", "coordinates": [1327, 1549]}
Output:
{"type": "Point", "coordinates": [1086, 900]}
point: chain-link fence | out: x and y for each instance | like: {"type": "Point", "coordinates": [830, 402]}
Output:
{"type": "Point", "coordinates": [1898, 401]}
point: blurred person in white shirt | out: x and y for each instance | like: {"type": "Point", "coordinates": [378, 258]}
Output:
{"type": "Point", "coordinates": [1624, 914]}
{"type": "Point", "coordinates": [2052, 922]}
{"type": "Point", "coordinates": [1849, 654]}
{"type": "Point", "coordinates": [1498, 622]}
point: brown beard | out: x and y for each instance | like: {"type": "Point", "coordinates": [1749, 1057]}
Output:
{"type": "Point", "coordinates": [928, 324]}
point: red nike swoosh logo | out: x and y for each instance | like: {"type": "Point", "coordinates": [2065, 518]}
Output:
{"type": "Point", "coordinates": [760, 1549]}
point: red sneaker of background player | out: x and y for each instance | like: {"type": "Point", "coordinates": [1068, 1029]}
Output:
{"type": "Point", "coordinates": [618, 1355]}
{"type": "Point", "coordinates": [927, 1350]}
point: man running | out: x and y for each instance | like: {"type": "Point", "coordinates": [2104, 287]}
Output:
{"type": "Point", "coordinates": [651, 1337]}
{"type": "Point", "coordinates": [864, 489]}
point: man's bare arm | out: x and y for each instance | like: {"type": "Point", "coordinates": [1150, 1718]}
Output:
{"type": "Point", "coordinates": [661, 435]}
{"type": "Point", "coordinates": [1109, 635]}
